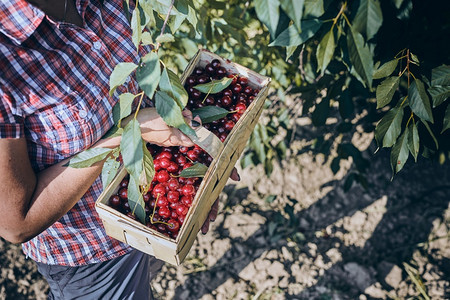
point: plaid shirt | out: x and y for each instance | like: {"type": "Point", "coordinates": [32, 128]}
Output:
{"type": "Point", "coordinates": [54, 84]}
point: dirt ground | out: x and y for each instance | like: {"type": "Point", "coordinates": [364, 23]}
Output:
{"type": "Point", "coordinates": [298, 235]}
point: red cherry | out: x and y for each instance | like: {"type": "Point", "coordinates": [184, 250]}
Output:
{"type": "Point", "coordinates": [191, 80]}
{"type": "Point", "coordinates": [235, 117]}
{"type": "Point", "coordinates": [173, 167]}
{"type": "Point", "coordinates": [181, 160]}
{"type": "Point", "coordinates": [183, 149]}
{"type": "Point", "coordinates": [164, 162]}
{"type": "Point", "coordinates": [186, 165]}
{"type": "Point", "coordinates": [234, 78]}
{"type": "Point", "coordinates": [124, 182]}
{"type": "Point", "coordinates": [215, 63]}
{"type": "Point", "coordinates": [157, 164]}
{"type": "Point", "coordinates": [123, 193]}
{"type": "Point", "coordinates": [146, 197]}
{"type": "Point", "coordinates": [173, 184]}
{"type": "Point", "coordinates": [229, 125]}
{"type": "Point", "coordinates": [237, 88]}
{"type": "Point", "coordinates": [173, 205]}
{"type": "Point", "coordinates": [222, 137]}
{"type": "Point", "coordinates": [196, 94]}
{"type": "Point", "coordinates": [248, 90]}
{"type": "Point", "coordinates": [210, 100]}
{"type": "Point", "coordinates": [242, 97]}
{"type": "Point", "coordinates": [126, 206]}
{"type": "Point", "coordinates": [240, 108]}
{"type": "Point", "coordinates": [181, 219]}
{"type": "Point", "coordinates": [226, 101]}
{"type": "Point", "coordinates": [186, 200]}
{"type": "Point", "coordinates": [173, 214]}
{"type": "Point", "coordinates": [173, 225]}
{"type": "Point", "coordinates": [250, 99]}
{"type": "Point", "coordinates": [202, 79]}
{"type": "Point", "coordinates": [164, 212]}
{"type": "Point", "coordinates": [165, 154]}
{"type": "Point", "coordinates": [162, 176]}
{"type": "Point", "coordinates": [159, 189]}
{"type": "Point", "coordinates": [188, 190]}
{"type": "Point", "coordinates": [191, 180]}
{"type": "Point", "coordinates": [221, 71]}
{"type": "Point", "coordinates": [173, 196]}
{"type": "Point", "coordinates": [243, 80]}
{"type": "Point", "coordinates": [161, 227]}
{"type": "Point", "coordinates": [210, 69]}
{"type": "Point", "coordinates": [198, 71]}
{"type": "Point", "coordinates": [192, 155]}
{"type": "Point", "coordinates": [182, 210]}
{"type": "Point", "coordinates": [162, 201]}
{"type": "Point", "coordinates": [255, 92]}
{"type": "Point", "coordinates": [114, 201]}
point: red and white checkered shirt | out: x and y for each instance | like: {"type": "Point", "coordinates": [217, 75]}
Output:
{"type": "Point", "coordinates": [54, 84]}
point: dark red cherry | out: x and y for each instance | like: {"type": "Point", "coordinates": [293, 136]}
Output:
{"type": "Point", "coordinates": [114, 201]}
{"type": "Point", "coordinates": [173, 196]}
{"type": "Point", "coordinates": [198, 71]}
{"type": "Point", "coordinates": [226, 101]}
{"type": "Point", "coordinates": [215, 63]}
{"type": "Point", "coordinates": [123, 193]}
{"type": "Point", "coordinates": [191, 80]}
{"type": "Point", "coordinates": [229, 125]}
{"type": "Point", "coordinates": [243, 80]}
{"type": "Point", "coordinates": [221, 72]}
{"type": "Point", "coordinates": [210, 69]}
{"type": "Point", "coordinates": [236, 88]}
{"type": "Point", "coordinates": [202, 79]}
{"type": "Point", "coordinates": [240, 108]}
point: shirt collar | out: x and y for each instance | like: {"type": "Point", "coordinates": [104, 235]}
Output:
{"type": "Point", "coordinates": [19, 19]}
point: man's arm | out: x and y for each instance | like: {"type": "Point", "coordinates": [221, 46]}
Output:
{"type": "Point", "coordinates": [30, 203]}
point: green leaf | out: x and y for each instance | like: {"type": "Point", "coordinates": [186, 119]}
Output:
{"type": "Point", "coordinates": [389, 127]}
{"type": "Point", "coordinates": [439, 94]}
{"type": "Point", "coordinates": [290, 51]}
{"type": "Point", "coordinates": [197, 170]}
{"type": "Point", "coordinates": [147, 38]}
{"type": "Point", "coordinates": [414, 59]}
{"type": "Point", "coordinates": [171, 84]}
{"type": "Point", "coordinates": [136, 28]}
{"type": "Point", "coordinates": [268, 12]}
{"type": "Point", "coordinates": [210, 113]}
{"type": "Point", "coordinates": [386, 69]}
{"type": "Point", "coordinates": [368, 18]}
{"type": "Point", "coordinates": [440, 75]}
{"type": "Point", "coordinates": [168, 109]}
{"type": "Point", "coordinates": [321, 112]}
{"type": "Point", "coordinates": [419, 101]}
{"type": "Point", "coordinates": [148, 168]}
{"type": "Point", "coordinates": [135, 199]}
{"type": "Point", "coordinates": [257, 144]}
{"type": "Point", "coordinates": [413, 140]}
{"type": "Point", "coordinates": [109, 171]}
{"type": "Point", "coordinates": [165, 38]}
{"type": "Point", "coordinates": [294, 9]}
{"type": "Point", "coordinates": [88, 157]}
{"type": "Point", "coordinates": [119, 75]}
{"type": "Point", "coordinates": [313, 8]}
{"type": "Point", "coordinates": [215, 86]}
{"type": "Point", "coordinates": [131, 148]}
{"type": "Point", "coordinates": [446, 124]}
{"type": "Point", "coordinates": [148, 74]}
{"type": "Point", "coordinates": [325, 51]}
{"type": "Point", "coordinates": [385, 91]}
{"type": "Point", "coordinates": [291, 37]}
{"type": "Point", "coordinates": [431, 134]}
{"type": "Point", "coordinates": [125, 104]}
{"type": "Point", "coordinates": [192, 18]}
{"type": "Point", "coordinates": [360, 56]}
{"type": "Point", "coordinates": [399, 153]}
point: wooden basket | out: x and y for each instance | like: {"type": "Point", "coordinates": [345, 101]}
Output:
{"type": "Point", "coordinates": [137, 235]}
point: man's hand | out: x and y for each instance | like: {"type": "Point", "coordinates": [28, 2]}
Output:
{"type": "Point", "coordinates": [215, 207]}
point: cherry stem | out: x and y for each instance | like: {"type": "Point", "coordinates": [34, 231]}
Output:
{"type": "Point", "coordinates": [153, 214]}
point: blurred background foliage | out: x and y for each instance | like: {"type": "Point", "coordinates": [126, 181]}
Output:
{"type": "Point", "coordinates": [366, 66]}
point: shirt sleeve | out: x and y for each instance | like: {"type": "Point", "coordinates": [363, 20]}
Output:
{"type": "Point", "coordinates": [11, 121]}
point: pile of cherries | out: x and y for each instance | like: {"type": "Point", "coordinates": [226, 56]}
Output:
{"type": "Point", "coordinates": [170, 196]}
{"type": "Point", "coordinates": [235, 98]}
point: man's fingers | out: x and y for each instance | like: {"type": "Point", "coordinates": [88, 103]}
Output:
{"type": "Point", "coordinates": [205, 226]}
{"type": "Point", "coordinates": [235, 175]}
{"type": "Point", "coordinates": [214, 209]}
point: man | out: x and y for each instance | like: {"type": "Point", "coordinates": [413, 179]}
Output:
{"type": "Point", "coordinates": [55, 61]}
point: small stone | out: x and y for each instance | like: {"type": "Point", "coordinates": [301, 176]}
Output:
{"type": "Point", "coordinates": [359, 275]}
{"type": "Point", "coordinates": [390, 274]}
{"type": "Point", "coordinates": [375, 291]}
